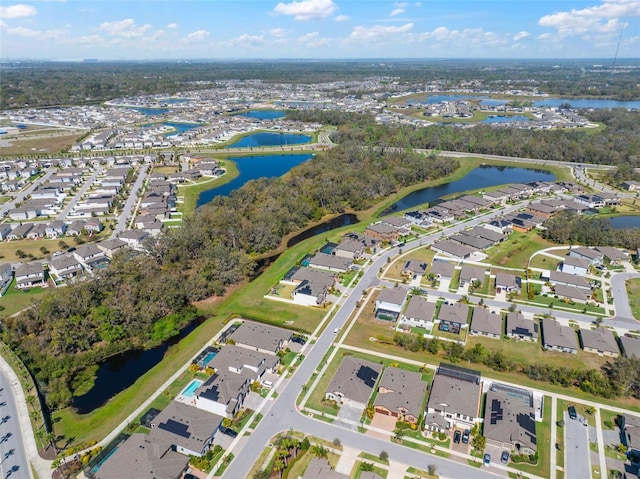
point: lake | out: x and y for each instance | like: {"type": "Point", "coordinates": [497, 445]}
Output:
{"type": "Point", "coordinates": [481, 177]}
{"type": "Point", "coordinates": [337, 222]}
{"type": "Point", "coordinates": [264, 114]}
{"type": "Point", "coordinates": [180, 127]}
{"type": "Point", "coordinates": [546, 102]}
{"type": "Point", "coordinates": [622, 222]}
{"type": "Point", "coordinates": [152, 111]}
{"type": "Point", "coordinates": [505, 119]}
{"type": "Point", "coordinates": [254, 167]}
{"type": "Point", "coordinates": [270, 139]}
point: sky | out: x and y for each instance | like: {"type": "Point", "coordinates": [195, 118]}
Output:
{"type": "Point", "coordinates": [318, 29]}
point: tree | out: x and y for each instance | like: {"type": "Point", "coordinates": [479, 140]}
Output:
{"type": "Point", "coordinates": [479, 442]}
{"type": "Point", "coordinates": [384, 456]}
{"type": "Point", "coordinates": [366, 466]}
{"type": "Point", "coordinates": [432, 469]}
{"type": "Point", "coordinates": [337, 442]}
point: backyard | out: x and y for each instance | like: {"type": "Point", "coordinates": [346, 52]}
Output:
{"type": "Point", "coordinates": [517, 249]}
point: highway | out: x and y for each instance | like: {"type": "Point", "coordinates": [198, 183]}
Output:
{"type": "Point", "coordinates": [13, 461]}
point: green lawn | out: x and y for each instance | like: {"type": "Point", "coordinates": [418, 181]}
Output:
{"type": "Point", "coordinates": [516, 251]}
{"type": "Point", "coordinates": [422, 254]}
{"type": "Point", "coordinates": [608, 418]}
{"type": "Point", "coordinates": [16, 299]}
{"type": "Point", "coordinates": [543, 434]}
{"type": "Point", "coordinates": [633, 290]}
{"type": "Point", "coordinates": [559, 434]}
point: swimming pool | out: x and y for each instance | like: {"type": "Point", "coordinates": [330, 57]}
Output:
{"type": "Point", "coordinates": [95, 468]}
{"type": "Point", "coordinates": [209, 356]}
{"type": "Point", "coordinates": [190, 390]}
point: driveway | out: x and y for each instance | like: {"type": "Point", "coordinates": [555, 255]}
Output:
{"type": "Point", "coordinates": [349, 415]}
{"type": "Point", "coordinates": [577, 456]}
{"type": "Point", "coordinates": [384, 423]}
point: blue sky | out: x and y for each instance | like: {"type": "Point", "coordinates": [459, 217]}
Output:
{"type": "Point", "coordinates": [163, 29]}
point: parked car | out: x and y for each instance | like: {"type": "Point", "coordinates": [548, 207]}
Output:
{"type": "Point", "coordinates": [190, 476]}
{"type": "Point", "coordinates": [572, 412]}
{"type": "Point", "coordinates": [505, 457]}
{"type": "Point", "coordinates": [465, 436]}
{"type": "Point", "coordinates": [487, 460]}
{"type": "Point", "coordinates": [456, 437]}
{"type": "Point", "coordinates": [299, 339]}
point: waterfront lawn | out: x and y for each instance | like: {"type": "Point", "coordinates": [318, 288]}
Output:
{"type": "Point", "coordinates": [517, 249]}
{"type": "Point", "coordinates": [192, 192]}
{"type": "Point", "coordinates": [633, 290]}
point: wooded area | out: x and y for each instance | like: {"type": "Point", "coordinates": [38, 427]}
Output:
{"type": "Point", "coordinates": [566, 227]}
{"type": "Point", "coordinates": [141, 300]}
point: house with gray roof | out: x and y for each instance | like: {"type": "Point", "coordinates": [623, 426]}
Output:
{"type": "Point", "coordinates": [571, 292]}
{"type": "Point", "coordinates": [442, 270]}
{"type": "Point", "coordinates": [510, 421]}
{"type": "Point", "coordinates": [575, 265]}
{"type": "Point", "coordinates": [419, 312]}
{"type": "Point", "coordinates": [593, 256]}
{"type": "Point", "coordinates": [312, 286]}
{"type": "Point", "coordinates": [189, 430]}
{"type": "Point", "coordinates": [452, 249]}
{"type": "Point", "coordinates": [566, 279]}
{"type": "Point", "coordinates": [349, 248]}
{"type": "Point", "coordinates": [454, 313]}
{"type": "Point", "coordinates": [65, 266]}
{"type": "Point", "coordinates": [456, 396]}
{"type": "Point", "coordinates": [329, 262]}
{"type": "Point", "coordinates": [389, 302]}
{"type": "Point", "coordinates": [521, 328]}
{"type": "Point", "coordinates": [508, 282]}
{"type": "Point", "coordinates": [141, 456]}
{"type": "Point", "coordinates": [111, 246]}
{"type": "Point", "coordinates": [558, 337]}
{"type": "Point", "coordinates": [414, 267]}
{"type": "Point", "coordinates": [485, 323]}
{"type": "Point", "coordinates": [383, 232]}
{"type": "Point", "coordinates": [613, 255]}
{"type": "Point", "coordinates": [600, 341]}
{"type": "Point", "coordinates": [261, 337]}
{"type": "Point", "coordinates": [353, 381]}
{"type": "Point", "coordinates": [320, 468]}
{"type": "Point", "coordinates": [29, 274]}
{"type": "Point", "coordinates": [6, 276]}
{"type": "Point", "coordinates": [19, 232]}
{"type": "Point", "coordinates": [223, 393]}
{"type": "Point", "coordinates": [474, 242]}
{"type": "Point", "coordinates": [134, 238]}
{"type": "Point", "coordinates": [630, 346]}
{"type": "Point", "coordinates": [401, 394]}
{"type": "Point", "coordinates": [469, 274]}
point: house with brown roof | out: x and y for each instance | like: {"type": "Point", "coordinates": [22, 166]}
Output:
{"type": "Point", "coordinates": [600, 341]}
{"type": "Point", "coordinates": [558, 337]}
{"type": "Point", "coordinates": [401, 394]}
{"type": "Point", "coordinates": [383, 232]}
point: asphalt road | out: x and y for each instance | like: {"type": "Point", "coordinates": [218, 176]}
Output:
{"type": "Point", "coordinates": [620, 296]}
{"type": "Point", "coordinates": [283, 414]}
{"type": "Point", "coordinates": [23, 194]}
{"type": "Point", "coordinates": [13, 461]}
{"type": "Point", "coordinates": [78, 196]}
{"type": "Point", "coordinates": [576, 443]}
{"type": "Point", "coordinates": [130, 203]}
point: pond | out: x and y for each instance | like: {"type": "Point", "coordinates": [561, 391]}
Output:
{"type": "Point", "coordinates": [180, 127]}
{"type": "Point", "coordinates": [481, 177]}
{"type": "Point", "coordinates": [270, 139]}
{"type": "Point", "coordinates": [337, 222]}
{"type": "Point", "coordinates": [254, 167]}
{"type": "Point", "coordinates": [626, 221]}
{"type": "Point", "coordinates": [595, 103]}
{"type": "Point", "coordinates": [505, 119]}
{"type": "Point", "coordinates": [152, 111]}
{"type": "Point", "coordinates": [264, 114]}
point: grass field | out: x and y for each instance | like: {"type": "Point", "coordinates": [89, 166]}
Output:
{"type": "Point", "coordinates": [45, 143]}
{"type": "Point", "coordinates": [516, 251]}
{"type": "Point", "coordinates": [16, 300]}
{"type": "Point", "coordinates": [422, 254]}
{"type": "Point", "coordinates": [633, 290]}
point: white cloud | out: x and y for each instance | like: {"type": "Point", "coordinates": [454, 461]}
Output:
{"type": "Point", "coordinates": [520, 35]}
{"type": "Point", "coordinates": [172, 26]}
{"type": "Point", "coordinates": [196, 37]}
{"type": "Point", "coordinates": [24, 32]}
{"type": "Point", "coordinates": [400, 7]}
{"type": "Point", "coordinates": [313, 40]}
{"type": "Point", "coordinates": [3, 25]}
{"type": "Point", "coordinates": [377, 32]}
{"type": "Point", "coordinates": [278, 32]}
{"type": "Point", "coordinates": [603, 18]}
{"type": "Point", "coordinates": [306, 10]}
{"type": "Point", "coordinates": [89, 40]}
{"type": "Point", "coordinates": [17, 11]}
{"type": "Point", "coordinates": [342, 18]}
{"type": "Point", "coordinates": [397, 11]}
{"type": "Point", "coordinates": [125, 28]}
{"type": "Point", "coordinates": [467, 38]}
{"type": "Point", "coordinates": [246, 40]}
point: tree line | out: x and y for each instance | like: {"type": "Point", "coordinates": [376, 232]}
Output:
{"type": "Point", "coordinates": [142, 299]}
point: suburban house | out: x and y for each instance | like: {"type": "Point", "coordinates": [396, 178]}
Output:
{"type": "Point", "coordinates": [93, 225]}
{"type": "Point", "coordinates": [594, 257]}
{"type": "Point", "coordinates": [401, 394]}
{"type": "Point", "coordinates": [456, 395]}
{"type": "Point", "coordinates": [90, 256]}
{"type": "Point", "coordinates": [613, 255]}
{"type": "Point", "coordinates": [6, 276]}
{"type": "Point", "coordinates": [631, 185]}
{"type": "Point", "coordinates": [575, 265]}
{"type": "Point", "coordinates": [510, 419]}
{"type": "Point", "coordinates": [485, 323]}
{"type": "Point", "coordinates": [398, 222]}
{"type": "Point", "coordinates": [189, 430]}
{"type": "Point", "coordinates": [600, 341]}
{"type": "Point", "coordinates": [321, 468]}
{"type": "Point", "coordinates": [382, 232]}
{"type": "Point", "coordinates": [20, 232]}
{"type": "Point", "coordinates": [469, 274]}
{"type": "Point", "coordinates": [37, 231]}
{"type": "Point", "coordinates": [389, 303]}
{"type": "Point", "coordinates": [349, 248]}
{"type": "Point", "coordinates": [630, 345]}
{"type": "Point", "coordinates": [29, 274]}
{"type": "Point", "coordinates": [142, 456]}
{"type": "Point", "coordinates": [566, 279]}
{"type": "Point", "coordinates": [442, 270]}
{"type": "Point", "coordinates": [521, 328]}
{"type": "Point", "coordinates": [508, 282]}
{"type": "Point", "coordinates": [311, 286]}
{"type": "Point", "coordinates": [572, 293]}
{"type": "Point", "coordinates": [354, 381]}
{"type": "Point", "coordinates": [260, 337]}
{"type": "Point", "coordinates": [329, 262]}
{"type": "Point", "coordinates": [419, 312]}
{"type": "Point", "coordinates": [452, 249]}
{"type": "Point", "coordinates": [630, 425]}
{"type": "Point", "coordinates": [65, 266]}
{"type": "Point", "coordinates": [111, 246]}
{"type": "Point", "coordinates": [414, 268]}
{"type": "Point", "coordinates": [453, 317]}
{"type": "Point", "coordinates": [55, 229]}
{"type": "Point", "coordinates": [557, 337]}
{"type": "Point", "coordinates": [134, 238]}
{"type": "Point", "coordinates": [5, 229]}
